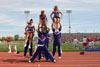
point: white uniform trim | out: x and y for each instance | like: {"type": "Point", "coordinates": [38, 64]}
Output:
{"type": "Point", "coordinates": [40, 45]}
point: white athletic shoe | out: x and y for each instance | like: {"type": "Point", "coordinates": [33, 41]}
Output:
{"type": "Point", "coordinates": [48, 60]}
{"type": "Point", "coordinates": [54, 61]}
{"type": "Point", "coordinates": [29, 61]}
{"type": "Point", "coordinates": [59, 58]}
{"type": "Point", "coordinates": [42, 57]}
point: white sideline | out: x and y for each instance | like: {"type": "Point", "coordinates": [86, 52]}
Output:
{"type": "Point", "coordinates": [82, 65]}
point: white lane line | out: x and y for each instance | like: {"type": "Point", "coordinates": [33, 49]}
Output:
{"type": "Point", "coordinates": [50, 65]}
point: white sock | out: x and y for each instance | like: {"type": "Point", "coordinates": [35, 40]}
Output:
{"type": "Point", "coordinates": [25, 45]}
{"type": "Point", "coordinates": [59, 57]}
{"type": "Point", "coordinates": [29, 46]}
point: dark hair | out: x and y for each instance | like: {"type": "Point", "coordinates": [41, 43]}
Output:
{"type": "Point", "coordinates": [42, 11]}
{"type": "Point", "coordinates": [56, 7]}
{"type": "Point", "coordinates": [31, 19]}
{"type": "Point", "coordinates": [28, 22]}
{"type": "Point", "coordinates": [84, 36]}
{"type": "Point", "coordinates": [96, 36]}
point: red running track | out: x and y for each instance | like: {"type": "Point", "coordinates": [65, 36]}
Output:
{"type": "Point", "coordinates": [69, 59]}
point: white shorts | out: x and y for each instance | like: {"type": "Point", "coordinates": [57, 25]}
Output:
{"type": "Point", "coordinates": [90, 43]}
{"type": "Point", "coordinates": [97, 42]}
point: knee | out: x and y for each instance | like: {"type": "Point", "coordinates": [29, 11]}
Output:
{"type": "Point", "coordinates": [30, 38]}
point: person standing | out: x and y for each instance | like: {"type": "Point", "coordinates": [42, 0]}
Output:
{"type": "Point", "coordinates": [28, 44]}
{"type": "Point", "coordinates": [57, 41]}
{"type": "Point", "coordinates": [41, 47]}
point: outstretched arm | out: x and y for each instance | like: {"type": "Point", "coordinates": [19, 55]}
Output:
{"type": "Point", "coordinates": [61, 14]}
{"type": "Point", "coordinates": [51, 14]}
{"type": "Point", "coordinates": [26, 27]}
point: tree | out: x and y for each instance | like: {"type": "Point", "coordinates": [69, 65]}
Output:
{"type": "Point", "coordinates": [22, 38]}
{"type": "Point", "coordinates": [35, 37]}
{"type": "Point", "coordinates": [4, 38]}
{"type": "Point", "coordinates": [16, 37]}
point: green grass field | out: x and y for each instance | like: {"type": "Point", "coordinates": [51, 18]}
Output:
{"type": "Point", "coordinates": [65, 47]}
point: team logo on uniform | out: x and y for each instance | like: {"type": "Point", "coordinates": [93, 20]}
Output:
{"type": "Point", "coordinates": [42, 36]}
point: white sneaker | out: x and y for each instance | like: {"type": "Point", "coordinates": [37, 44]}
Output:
{"type": "Point", "coordinates": [59, 57]}
{"type": "Point", "coordinates": [54, 61]}
{"type": "Point", "coordinates": [29, 61]}
{"type": "Point", "coordinates": [42, 57]}
{"type": "Point", "coordinates": [48, 60]}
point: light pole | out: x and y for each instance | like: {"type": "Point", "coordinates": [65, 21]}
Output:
{"type": "Point", "coordinates": [27, 13]}
{"type": "Point", "coordinates": [69, 11]}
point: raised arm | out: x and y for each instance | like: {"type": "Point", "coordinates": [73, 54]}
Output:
{"type": "Point", "coordinates": [49, 37]}
{"type": "Point", "coordinates": [60, 26]}
{"type": "Point", "coordinates": [39, 20]}
{"type": "Point", "coordinates": [52, 26]}
{"type": "Point", "coordinates": [48, 29]}
{"type": "Point", "coordinates": [38, 30]}
{"type": "Point", "coordinates": [34, 28]}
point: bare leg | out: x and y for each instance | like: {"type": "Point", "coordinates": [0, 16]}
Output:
{"type": "Point", "coordinates": [39, 23]}
{"type": "Point", "coordinates": [27, 35]}
{"type": "Point", "coordinates": [58, 22]}
{"type": "Point", "coordinates": [55, 21]}
{"type": "Point", "coordinates": [45, 28]}
{"type": "Point", "coordinates": [30, 40]}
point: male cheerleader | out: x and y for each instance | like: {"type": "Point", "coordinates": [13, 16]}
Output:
{"type": "Point", "coordinates": [42, 47]}
{"type": "Point", "coordinates": [57, 41]}
{"type": "Point", "coordinates": [47, 41]}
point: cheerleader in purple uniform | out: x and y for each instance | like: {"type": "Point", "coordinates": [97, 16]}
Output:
{"type": "Point", "coordinates": [30, 29]}
{"type": "Point", "coordinates": [56, 17]}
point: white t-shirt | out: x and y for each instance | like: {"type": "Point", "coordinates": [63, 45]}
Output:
{"type": "Point", "coordinates": [84, 40]}
{"type": "Point", "coordinates": [75, 40]}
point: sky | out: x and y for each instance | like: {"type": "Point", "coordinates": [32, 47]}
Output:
{"type": "Point", "coordinates": [85, 16]}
